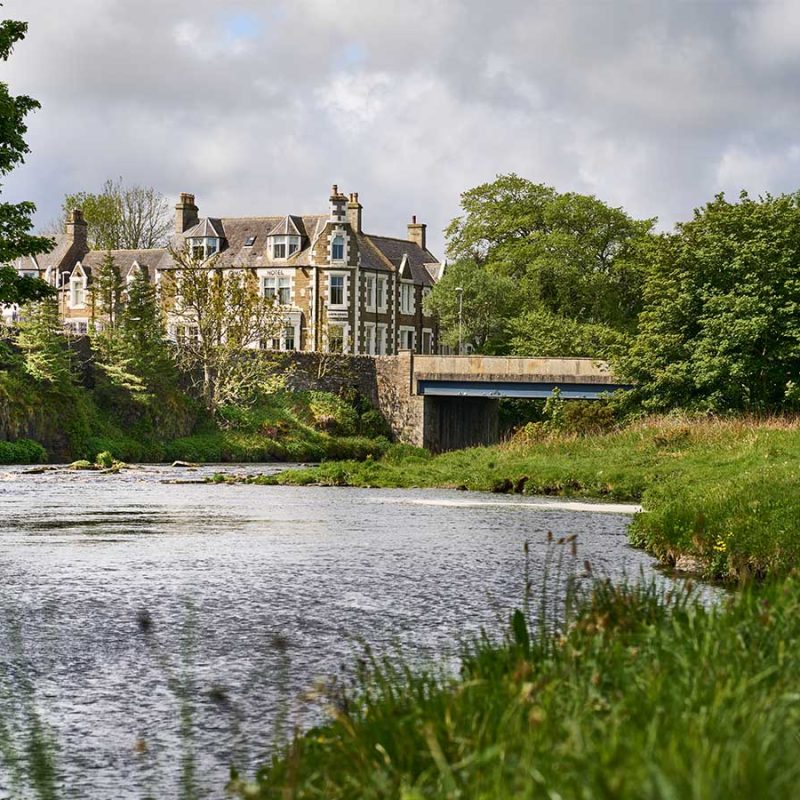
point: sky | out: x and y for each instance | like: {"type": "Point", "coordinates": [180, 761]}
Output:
{"type": "Point", "coordinates": [259, 107]}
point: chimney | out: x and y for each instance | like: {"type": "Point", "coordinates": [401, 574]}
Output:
{"type": "Point", "coordinates": [185, 213]}
{"type": "Point", "coordinates": [416, 232]}
{"type": "Point", "coordinates": [354, 209]}
{"type": "Point", "coordinates": [77, 229]}
{"type": "Point", "coordinates": [338, 203]}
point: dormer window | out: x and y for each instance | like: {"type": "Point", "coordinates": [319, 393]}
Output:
{"type": "Point", "coordinates": [284, 246]}
{"type": "Point", "coordinates": [201, 247]}
{"type": "Point", "coordinates": [337, 248]}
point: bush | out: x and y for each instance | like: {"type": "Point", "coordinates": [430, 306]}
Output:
{"type": "Point", "coordinates": [22, 451]}
{"type": "Point", "coordinates": [373, 424]}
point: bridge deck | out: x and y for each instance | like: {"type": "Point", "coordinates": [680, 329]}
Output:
{"type": "Point", "coordinates": [501, 376]}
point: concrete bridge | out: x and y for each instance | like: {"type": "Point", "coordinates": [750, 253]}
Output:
{"type": "Point", "coordinates": [450, 402]}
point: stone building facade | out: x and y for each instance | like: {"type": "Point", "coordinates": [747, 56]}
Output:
{"type": "Point", "coordinates": [338, 288]}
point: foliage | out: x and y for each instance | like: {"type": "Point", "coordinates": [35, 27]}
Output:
{"type": "Point", "coordinates": [227, 317]}
{"type": "Point", "coordinates": [15, 219]}
{"type": "Point", "coordinates": [720, 328]}
{"type": "Point", "coordinates": [540, 333]}
{"type": "Point", "coordinates": [122, 217]}
{"type": "Point", "coordinates": [22, 451]}
{"type": "Point", "coordinates": [133, 350]}
{"type": "Point", "coordinates": [107, 290]}
{"type": "Point", "coordinates": [20, 289]}
{"type": "Point", "coordinates": [489, 300]}
{"type": "Point", "coordinates": [641, 692]}
{"type": "Point", "coordinates": [570, 254]}
{"type": "Point", "coordinates": [43, 343]}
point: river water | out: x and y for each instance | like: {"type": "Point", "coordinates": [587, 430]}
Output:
{"type": "Point", "coordinates": [162, 624]}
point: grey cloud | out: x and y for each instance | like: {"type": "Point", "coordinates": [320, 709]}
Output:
{"type": "Point", "coordinates": [649, 104]}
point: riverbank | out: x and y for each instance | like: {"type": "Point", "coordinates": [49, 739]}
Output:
{"type": "Point", "coordinates": [721, 496]}
{"type": "Point", "coordinates": [41, 424]}
{"type": "Point", "coordinates": [640, 694]}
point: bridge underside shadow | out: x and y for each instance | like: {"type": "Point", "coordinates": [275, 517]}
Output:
{"type": "Point", "coordinates": [459, 414]}
{"type": "Point", "coordinates": [452, 423]}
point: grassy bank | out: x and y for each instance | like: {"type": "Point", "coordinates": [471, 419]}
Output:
{"type": "Point", "coordinates": [43, 423]}
{"type": "Point", "coordinates": [724, 492]}
{"type": "Point", "coordinates": [641, 695]}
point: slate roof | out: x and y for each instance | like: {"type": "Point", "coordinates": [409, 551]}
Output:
{"type": "Point", "coordinates": [124, 260]}
{"type": "Point", "coordinates": [393, 250]}
{"type": "Point", "coordinates": [289, 226]}
{"type": "Point", "coordinates": [207, 227]}
{"type": "Point", "coordinates": [62, 257]}
{"type": "Point", "coordinates": [237, 230]}
{"type": "Point", "coordinates": [380, 253]}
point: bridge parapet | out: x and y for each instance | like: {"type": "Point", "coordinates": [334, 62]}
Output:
{"type": "Point", "coordinates": [508, 369]}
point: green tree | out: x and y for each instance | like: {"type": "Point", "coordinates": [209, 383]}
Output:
{"type": "Point", "coordinates": [106, 290]}
{"type": "Point", "coordinates": [137, 355]}
{"type": "Point", "coordinates": [15, 218]}
{"type": "Point", "coordinates": [43, 344]}
{"type": "Point", "coordinates": [487, 302]}
{"type": "Point", "coordinates": [122, 217]}
{"type": "Point", "coordinates": [221, 319]}
{"type": "Point", "coordinates": [541, 333]}
{"type": "Point", "coordinates": [571, 254]}
{"type": "Point", "coordinates": [721, 323]}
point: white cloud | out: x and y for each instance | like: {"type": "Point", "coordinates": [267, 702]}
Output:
{"type": "Point", "coordinates": [258, 108]}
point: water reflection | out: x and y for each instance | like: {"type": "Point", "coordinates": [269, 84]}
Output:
{"type": "Point", "coordinates": [143, 604]}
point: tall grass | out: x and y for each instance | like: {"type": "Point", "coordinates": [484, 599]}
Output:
{"type": "Point", "coordinates": [642, 693]}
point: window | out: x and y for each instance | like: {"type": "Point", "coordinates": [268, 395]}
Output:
{"type": "Point", "coordinates": [406, 298]}
{"type": "Point", "coordinates": [202, 247]}
{"type": "Point", "coordinates": [369, 339]}
{"type": "Point", "coordinates": [288, 338]}
{"type": "Point", "coordinates": [77, 292]}
{"type": "Point", "coordinates": [187, 334]}
{"type": "Point", "coordinates": [278, 287]}
{"type": "Point", "coordinates": [381, 292]}
{"type": "Point", "coordinates": [369, 290]}
{"type": "Point", "coordinates": [406, 338]}
{"type": "Point", "coordinates": [249, 241]}
{"type": "Point", "coordinates": [336, 297]}
{"type": "Point", "coordinates": [427, 342]}
{"type": "Point", "coordinates": [284, 246]}
{"type": "Point", "coordinates": [337, 249]}
{"type": "Point", "coordinates": [380, 341]}
{"type": "Point", "coordinates": [336, 339]}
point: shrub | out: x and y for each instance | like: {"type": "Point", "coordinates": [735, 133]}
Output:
{"type": "Point", "coordinates": [22, 451]}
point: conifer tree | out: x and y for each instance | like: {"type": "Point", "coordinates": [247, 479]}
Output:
{"type": "Point", "coordinates": [139, 356]}
{"type": "Point", "coordinates": [106, 288]}
{"type": "Point", "coordinates": [43, 343]}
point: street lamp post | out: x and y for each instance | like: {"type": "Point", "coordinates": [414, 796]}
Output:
{"type": "Point", "coordinates": [460, 291]}
{"type": "Point", "coordinates": [64, 276]}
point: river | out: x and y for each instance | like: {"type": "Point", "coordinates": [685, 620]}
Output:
{"type": "Point", "coordinates": [131, 603]}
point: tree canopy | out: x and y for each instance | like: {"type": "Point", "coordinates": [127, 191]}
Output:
{"type": "Point", "coordinates": [15, 218]}
{"type": "Point", "coordinates": [535, 251]}
{"type": "Point", "coordinates": [221, 316]}
{"type": "Point", "coordinates": [721, 321]}
{"type": "Point", "coordinates": [122, 217]}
